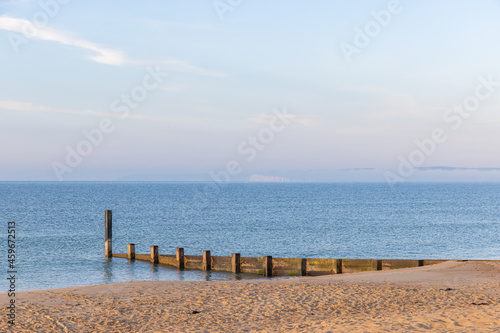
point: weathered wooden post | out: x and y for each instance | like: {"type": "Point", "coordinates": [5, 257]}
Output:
{"type": "Point", "coordinates": [235, 263]}
{"type": "Point", "coordinates": [379, 265]}
{"type": "Point", "coordinates": [108, 235]}
{"type": "Point", "coordinates": [339, 266]}
{"type": "Point", "coordinates": [268, 266]}
{"type": "Point", "coordinates": [207, 261]}
{"type": "Point", "coordinates": [179, 254]}
{"type": "Point", "coordinates": [131, 251]}
{"type": "Point", "coordinates": [303, 270]}
{"type": "Point", "coordinates": [154, 254]}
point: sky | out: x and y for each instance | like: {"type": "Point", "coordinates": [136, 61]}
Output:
{"type": "Point", "coordinates": [238, 90]}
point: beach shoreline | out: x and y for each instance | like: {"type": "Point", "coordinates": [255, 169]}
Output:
{"type": "Point", "coordinates": [453, 296]}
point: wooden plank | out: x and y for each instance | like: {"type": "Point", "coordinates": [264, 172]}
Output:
{"type": "Point", "coordinates": [398, 263]}
{"type": "Point", "coordinates": [433, 262]}
{"type": "Point", "coordinates": [321, 266]}
{"type": "Point", "coordinates": [338, 266]}
{"type": "Point", "coordinates": [235, 263]}
{"type": "Point", "coordinates": [193, 262]}
{"type": "Point", "coordinates": [222, 264]}
{"type": "Point", "coordinates": [154, 254]}
{"type": "Point", "coordinates": [143, 257]}
{"type": "Point", "coordinates": [167, 259]}
{"type": "Point", "coordinates": [179, 253]}
{"type": "Point", "coordinates": [207, 261]}
{"type": "Point", "coordinates": [251, 265]}
{"type": "Point", "coordinates": [358, 265]}
{"type": "Point", "coordinates": [108, 233]}
{"type": "Point", "coordinates": [268, 265]}
{"type": "Point", "coordinates": [131, 251]}
{"type": "Point", "coordinates": [288, 267]}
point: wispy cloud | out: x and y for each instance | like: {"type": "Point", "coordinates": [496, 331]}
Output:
{"type": "Point", "coordinates": [182, 66]}
{"type": "Point", "coordinates": [308, 121]}
{"type": "Point", "coordinates": [101, 55]}
{"type": "Point", "coordinates": [445, 168]}
{"type": "Point", "coordinates": [174, 87]}
{"type": "Point", "coordinates": [161, 24]}
{"type": "Point", "coordinates": [29, 107]}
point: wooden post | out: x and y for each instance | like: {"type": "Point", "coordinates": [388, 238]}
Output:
{"type": "Point", "coordinates": [131, 251]}
{"type": "Point", "coordinates": [179, 254]}
{"type": "Point", "coordinates": [154, 254]}
{"type": "Point", "coordinates": [108, 234]}
{"type": "Point", "coordinates": [339, 266]}
{"type": "Point", "coordinates": [207, 261]}
{"type": "Point", "coordinates": [268, 266]}
{"type": "Point", "coordinates": [304, 267]}
{"type": "Point", "coordinates": [379, 265]}
{"type": "Point", "coordinates": [235, 263]}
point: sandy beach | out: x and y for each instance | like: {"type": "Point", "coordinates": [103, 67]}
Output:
{"type": "Point", "coordinates": [448, 297]}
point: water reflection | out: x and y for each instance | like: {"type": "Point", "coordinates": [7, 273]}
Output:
{"type": "Point", "coordinates": [154, 271]}
{"type": "Point", "coordinates": [130, 268]}
{"type": "Point", "coordinates": [108, 270]}
{"type": "Point", "coordinates": [180, 274]}
{"type": "Point", "coordinates": [122, 270]}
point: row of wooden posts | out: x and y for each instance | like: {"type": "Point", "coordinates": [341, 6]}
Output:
{"type": "Point", "coordinates": [266, 265]}
{"type": "Point", "coordinates": [206, 263]}
{"type": "Point", "coordinates": [179, 253]}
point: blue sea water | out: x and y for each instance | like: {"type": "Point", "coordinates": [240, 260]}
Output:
{"type": "Point", "coordinates": [60, 225]}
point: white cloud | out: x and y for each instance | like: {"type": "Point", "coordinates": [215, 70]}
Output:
{"type": "Point", "coordinates": [308, 121]}
{"type": "Point", "coordinates": [29, 30]}
{"type": "Point", "coordinates": [174, 87]}
{"type": "Point", "coordinates": [29, 107]}
{"type": "Point", "coordinates": [271, 179]}
{"type": "Point", "coordinates": [101, 54]}
{"type": "Point", "coordinates": [185, 67]}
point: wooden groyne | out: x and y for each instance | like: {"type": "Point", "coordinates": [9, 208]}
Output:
{"type": "Point", "coordinates": [265, 265]}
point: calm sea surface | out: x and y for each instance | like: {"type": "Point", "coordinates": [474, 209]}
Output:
{"type": "Point", "coordinates": [60, 226]}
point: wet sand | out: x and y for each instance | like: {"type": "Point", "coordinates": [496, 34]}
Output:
{"type": "Point", "coordinates": [448, 297]}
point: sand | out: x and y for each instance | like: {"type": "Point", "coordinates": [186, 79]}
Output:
{"type": "Point", "coordinates": [448, 297]}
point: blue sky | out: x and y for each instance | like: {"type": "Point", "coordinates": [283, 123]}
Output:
{"type": "Point", "coordinates": [228, 68]}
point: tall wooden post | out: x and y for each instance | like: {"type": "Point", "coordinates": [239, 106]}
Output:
{"type": "Point", "coordinates": [131, 251]}
{"type": "Point", "coordinates": [339, 266]}
{"type": "Point", "coordinates": [268, 266]}
{"type": "Point", "coordinates": [235, 263]}
{"type": "Point", "coordinates": [108, 235]}
{"type": "Point", "coordinates": [207, 261]}
{"type": "Point", "coordinates": [179, 254]}
{"type": "Point", "coordinates": [303, 267]}
{"type": "Point", "coordinates": [154, 254]}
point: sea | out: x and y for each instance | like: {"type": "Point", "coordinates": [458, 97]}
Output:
{"type": "Point", "coordinates": [59, 226]}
